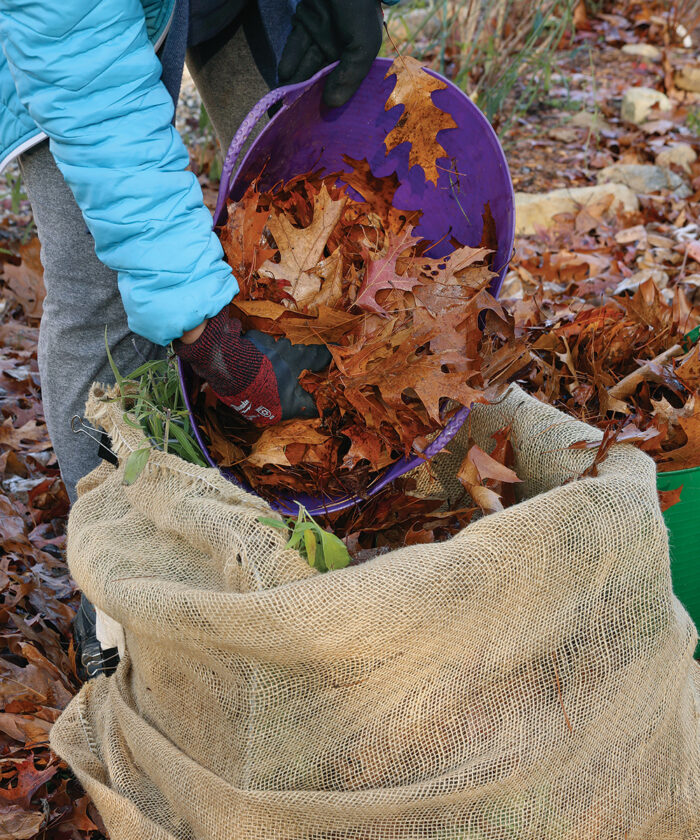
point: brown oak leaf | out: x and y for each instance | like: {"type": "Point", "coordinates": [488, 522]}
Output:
{"type": "Point", "coordinates": [270, 447]}
{"type": "Point", "coordinates": [688, 455]}
{"type": "Point", "coordinates": [421, 119]}
{"type": "Point", "coordinates": [301, 249]}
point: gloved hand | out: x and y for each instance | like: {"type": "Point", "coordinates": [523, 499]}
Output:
{"type": "Point", "coordinates": [254, 374]}
{"type": "Point", "coordinates": [324, 31]}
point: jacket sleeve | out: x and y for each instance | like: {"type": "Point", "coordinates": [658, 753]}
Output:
{"type": "Point", "coordinates": [88, 75]}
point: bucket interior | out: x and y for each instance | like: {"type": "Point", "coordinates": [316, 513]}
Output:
{"type": "Point", "coordinates": [305, 135]}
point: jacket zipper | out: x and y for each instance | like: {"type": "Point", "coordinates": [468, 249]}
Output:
{"type": "Point", "coordinates": [163, 35]}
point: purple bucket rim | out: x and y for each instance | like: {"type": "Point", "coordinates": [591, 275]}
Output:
{"type": "Point", "coordinates": [286, 503]}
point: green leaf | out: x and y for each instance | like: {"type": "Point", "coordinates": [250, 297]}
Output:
{"type": "Point", "coordinates": [129, 422]}
{"type": "Point", "coordinates": [310, 545]}
{"type": "Point", "coordinates": [156, 425]}
{"type": "Point", "coordinates": [194, 454]}
{"type": "Point", "coordinates": [273, 523]}
{"type": "Point", "coordinates": [145, 368]}
{"type": "Point", "coordinates": [298, 532]}
{"type": "Point", "coordinates": [335, 554]}
{"type": "Point", "coordinates": [135, 464]}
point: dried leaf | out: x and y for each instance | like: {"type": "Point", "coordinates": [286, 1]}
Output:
{"type": "Point", "coordinates": [669, 498]}
{"type": "Point", "coordinates": [26, 280]}
{"type": "Point", "coordinates": [29, 780]}
{"type": "Point", "coordinates": [488, 468]}
{"type": "Point", "coordinates": [687, 369]}
{"type": "Point", "coordinates": [30, 436]}
{"type": "Point", "coordinates": [271, 445]}
{"type": "Point", "coordinates": [381, 273]}
{"type": "Point", "coordinates": [18, 824]}
{"type": "Point", "coordinates": [301, 248]}
{"type": "Point", "coordinates": [328, 326]}
{"type": "Point", "coordinates": [687, 455]}
{"type": "Point", "coordinates": [421, 119]}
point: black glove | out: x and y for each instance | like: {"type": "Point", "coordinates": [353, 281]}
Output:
{"type": "Point", "coordinates": [324, 31]}
{"type": "Point", "coordinates": [253, 373]}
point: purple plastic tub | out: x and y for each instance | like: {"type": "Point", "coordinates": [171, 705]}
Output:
{"type": "Point", "coordinates": [305, 135]}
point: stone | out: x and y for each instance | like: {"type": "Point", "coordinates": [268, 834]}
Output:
{"type": "Point", "coordinates": [534, 211]}
{"type": "Point", "coordinates": [688, 78]}
{"type": "Point", "coordinates": [593, 122]}
{"type": "Point", "coordinates": [638, 102]}
{"type": "Point", "coordinates": [648, 51]}
{"type": "Point", "coordinates": [640, 177]}
{"type": "Point", "coordinates": [681, 154]}
{"type": "Point", "coordinates": [563, 133]}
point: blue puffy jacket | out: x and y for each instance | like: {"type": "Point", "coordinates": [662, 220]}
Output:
{"type": "Point", "coordinates": [85, 74]}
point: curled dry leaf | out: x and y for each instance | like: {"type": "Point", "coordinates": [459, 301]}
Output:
{"type": "Point", "coordinates": [18, 824]}
{"type": "Point", "coordinates": [270, 447]}
{"type": "Point", "coordinates": [483, 475]}
{"type": "Point", "coordinates": [301, 249]}
{"type": "Point", "coordinates": [26, 280]}
{"type": "Point", "coordinates": [669, 498]}
{"type": "Point", "coordinates": [688, 453]}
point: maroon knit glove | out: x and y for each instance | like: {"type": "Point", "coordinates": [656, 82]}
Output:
{"type": "Point", "coordinates": [254, 374]}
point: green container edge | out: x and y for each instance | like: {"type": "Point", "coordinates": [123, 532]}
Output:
{"type": "Point", "coordinates": [683, 523]}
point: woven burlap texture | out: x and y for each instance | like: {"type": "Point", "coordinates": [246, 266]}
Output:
{"type": "Point", "coordinates": [530, 679]}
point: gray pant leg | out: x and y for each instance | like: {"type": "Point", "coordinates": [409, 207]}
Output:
{"type": "Point", "coordinates": [81, 299]}
{"type": "Point", "coordinates": [81, 292]}
{"type": "Point", "coordinates": [228, 81]}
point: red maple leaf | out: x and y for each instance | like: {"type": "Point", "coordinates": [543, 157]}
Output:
{"type": "Point", "coordinates": [382, 273]}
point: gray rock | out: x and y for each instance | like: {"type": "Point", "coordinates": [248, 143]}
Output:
{"type": "Point", "coordinates": [648, 51]}
{"type": "Point", "coordinates": [640, 177]}
{"type": "Point", "coordinates": [638, 102]}
{"type": "Point", "coordinates": [534, 211]}
{"type": "Point", "coordinates": [688, 78]}
{"type": "Point", "coordinates": [682, 154]}
{"type": "Point", "coordinates": [593, 122]}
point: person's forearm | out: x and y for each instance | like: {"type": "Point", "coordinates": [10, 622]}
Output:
{"type": "Point", "coordinates": [191, 336]}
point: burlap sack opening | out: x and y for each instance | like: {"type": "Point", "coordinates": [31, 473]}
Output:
{"type": "Point", "coordinates": [530, 678]}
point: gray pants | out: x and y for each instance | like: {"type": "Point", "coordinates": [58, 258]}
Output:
{"type": "Point", "coordinates": [81, 293]}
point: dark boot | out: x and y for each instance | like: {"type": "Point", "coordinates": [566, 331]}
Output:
{"type": "Point", "coordinates": [90, 659]}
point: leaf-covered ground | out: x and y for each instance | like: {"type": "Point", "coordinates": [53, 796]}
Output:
{"type": "Point", "coordinates": [572, 133]}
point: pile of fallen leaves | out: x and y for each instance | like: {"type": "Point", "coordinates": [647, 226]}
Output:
{"type": "Point", "coordinates": [38, 795]}
{"type": "Point", "coordinates": [627, 362]}
{"type": "Point", "coordinates": [328, 259]}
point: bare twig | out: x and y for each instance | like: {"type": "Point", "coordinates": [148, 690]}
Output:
{"type": "Point", "coordinates": [626, 386]}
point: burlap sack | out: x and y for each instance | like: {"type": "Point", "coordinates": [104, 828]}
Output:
{"type": "Point", "coordinates": [530, 678]}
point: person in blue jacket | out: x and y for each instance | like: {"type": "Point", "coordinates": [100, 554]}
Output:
{"type": "Point", "coordinates": [87, 96]}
